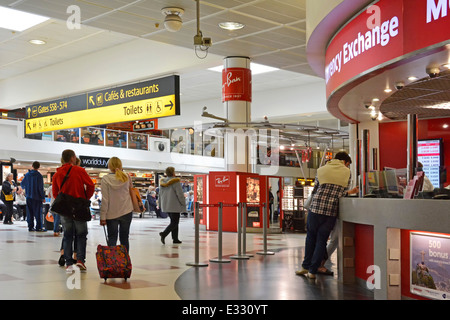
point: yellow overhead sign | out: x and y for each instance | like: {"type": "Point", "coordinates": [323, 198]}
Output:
{"type": "Point", "coordinates": [130, 111]}
{"type": "Point", "coordinates": [139, 101]}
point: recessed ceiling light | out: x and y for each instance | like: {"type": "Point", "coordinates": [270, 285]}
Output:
{"type": "Point", "coordinates": [37, 41]}
{"type": "Point", "coordinates": [387, 90]}
{"type": "Point", "coordinates": [375, 99]}
{"type": "Point", "coordinates": [231, 25]}
{"type": "Point", "coordinates": [412, 78]}
{"type": "Point", "coordinates": [18, 20]}
{"type": "Point", "coordinates": [255, 67]}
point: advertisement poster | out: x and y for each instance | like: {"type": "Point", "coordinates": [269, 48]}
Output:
{"type": "Point", "coordinates": [430, 266]}
{"type": "Point", "coordinates": [253, 190]}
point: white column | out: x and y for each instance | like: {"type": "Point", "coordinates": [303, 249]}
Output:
{"type": "Point", "coordinates": [236, 98]}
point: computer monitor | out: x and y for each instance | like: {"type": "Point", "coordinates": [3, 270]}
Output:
{"type": "Point", "coordinates": [390, 178]}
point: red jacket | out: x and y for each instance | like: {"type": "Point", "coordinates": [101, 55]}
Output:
{"type": "Point", "coordinates": [75, 183]}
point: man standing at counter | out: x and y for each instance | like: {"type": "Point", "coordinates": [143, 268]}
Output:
{"type": "Point", "coordinates": [332, 182]}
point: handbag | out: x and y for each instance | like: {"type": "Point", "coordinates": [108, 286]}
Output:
{"type": "Point", "coordinates": [68, 206]}
{"type": "Point", "coordinates": [136, 199]}
{"type": "Point", "coordinates": [8, 197]}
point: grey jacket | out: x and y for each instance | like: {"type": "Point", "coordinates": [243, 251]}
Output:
{"type": "Point", "coordinates": [171, 196]}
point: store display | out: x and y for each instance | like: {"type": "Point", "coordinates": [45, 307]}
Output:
{"type": "Point", "coordinates": [293, 206]}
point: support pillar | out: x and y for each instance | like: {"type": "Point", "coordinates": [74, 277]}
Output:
{"type": "Point", "coordinates": [236, 99]}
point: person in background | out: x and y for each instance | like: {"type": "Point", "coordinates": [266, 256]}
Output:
{"type": "Point", "coordinates": [427, 185]}
{"type": "Point", "coordinates": [8, 194]}
{"type": "Point", "coordinates": [21, 203]}
{"type": "Point", "coordinates": [56, 217]}
{"type": "Point", "coordinates": [33, 183]}
{"type": "Point", "coordinates": [78, 185]}
{"type": "Point", "coordinates": [116, 211]}
{"type": "Point", "coordinates": [172, 201]}
{"type": "Point", "coordinates": [331, 184]}
{"type": "Point", "coordinates": [151, 201]}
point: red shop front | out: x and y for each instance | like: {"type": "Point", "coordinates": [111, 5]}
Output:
{"type": "Point", "coordinates": [232, 188]}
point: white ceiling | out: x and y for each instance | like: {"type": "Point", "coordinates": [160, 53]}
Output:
{"type": "Point", "coordinates": [274, 35]}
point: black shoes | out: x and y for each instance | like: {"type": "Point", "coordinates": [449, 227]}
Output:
{"type": "Point", "coordinates": [163, 239]}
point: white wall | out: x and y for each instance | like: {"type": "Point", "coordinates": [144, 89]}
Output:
{"type": "Point", "coordinates": [13, 145]}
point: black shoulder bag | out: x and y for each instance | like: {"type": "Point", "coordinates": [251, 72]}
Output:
{"type": "Point", "coordinates": [68, 206]}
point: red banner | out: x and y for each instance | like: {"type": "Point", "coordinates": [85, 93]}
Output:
{"type": "Point", "coordinates": [236, 84]}
{"type": "Point", "coordinates": [384, 32]}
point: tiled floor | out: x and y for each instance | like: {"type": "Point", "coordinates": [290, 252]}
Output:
{"type": "Point", "coordinates": [29, 270]}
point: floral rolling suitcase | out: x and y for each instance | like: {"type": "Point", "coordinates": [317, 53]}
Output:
{"type": "Point", "coordinates": [113, 262]}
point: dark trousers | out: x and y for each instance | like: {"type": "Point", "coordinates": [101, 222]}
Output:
{"type": "Point", "coordinates": [318, 229]}
{"type": "Point", "coordinates": [9, 211]}
{"type": "Point", "coordinates": [173, 226]}
{"type": "Point", "coordinates": [119, 228]}
{"type": "Point", "coordinates": [34, 212]}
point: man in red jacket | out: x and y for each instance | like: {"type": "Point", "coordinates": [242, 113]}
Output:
{"type": "Point", "coordinates": [79, 185]}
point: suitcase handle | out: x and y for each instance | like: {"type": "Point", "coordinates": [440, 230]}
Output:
{"type": "Point", "coordinates": [106, 235]}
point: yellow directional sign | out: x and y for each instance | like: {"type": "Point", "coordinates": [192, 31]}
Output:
{"type": "Point", "coordinates": [138, 101]}
{"type": "Point", "coordinates": [130, 111]}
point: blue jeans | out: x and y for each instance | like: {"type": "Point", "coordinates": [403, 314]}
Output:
{"type": "Point", "coordinates": [74, 228]}
{"type": "Point", "coordinates": [56, 221]}
{"type": "Point", "coordinates": [318, 229]}
{"type": "Point", "coordinates": [119, 227]}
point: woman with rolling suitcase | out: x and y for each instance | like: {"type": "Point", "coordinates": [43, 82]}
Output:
{"type": "Point", "coordinates": [116, 211]}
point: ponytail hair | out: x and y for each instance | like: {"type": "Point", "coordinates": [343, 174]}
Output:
{"type": "Point", "coordinates": [115, 165]}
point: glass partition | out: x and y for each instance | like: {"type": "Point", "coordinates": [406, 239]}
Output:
{"type": "Point", "coordinates": [93, 136]}
{"type": "Point", "coordinates": [116, 138]}
{"type": "Point", "coordinates": [392, 183]}
{"type": "Point", "coordinates": [137, 141]}
{"type": "Point", "coordinates": [69, 135]}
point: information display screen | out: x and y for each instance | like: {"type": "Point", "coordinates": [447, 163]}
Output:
{"type": "Point", "coordinates": [429, 153]}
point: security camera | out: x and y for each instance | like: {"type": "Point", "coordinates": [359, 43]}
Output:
{"type": "Point", "coordinates": [433, 72]}
{"type": "Point", "coordinates": [207, 42]}
{"type": "Point", "coordinates": [399, 85]}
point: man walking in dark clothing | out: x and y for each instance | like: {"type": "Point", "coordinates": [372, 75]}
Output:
{"type": "Point", "coordinates": [33, 183]}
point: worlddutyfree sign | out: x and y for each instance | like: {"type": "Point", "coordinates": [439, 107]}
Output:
{"type": "Point", "coordinates": [384, 33]}
{"type": "Point", "coordinates": [139, 101]}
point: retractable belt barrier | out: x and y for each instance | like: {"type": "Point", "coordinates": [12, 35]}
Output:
{"type": "Point", "coordinates": [242, 233]}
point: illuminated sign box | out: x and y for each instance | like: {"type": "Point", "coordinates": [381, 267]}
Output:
{"type": "Point", "coordinates": [139, 101]}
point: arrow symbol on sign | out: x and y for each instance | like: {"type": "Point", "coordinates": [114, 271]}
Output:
{"type": "Point", "coordinates": [91, 100]}
{"type": "Point", "coordinates": [169, 105]}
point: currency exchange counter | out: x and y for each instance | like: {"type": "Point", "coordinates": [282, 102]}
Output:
{"type": "Point", "coordinates": [397, 248]}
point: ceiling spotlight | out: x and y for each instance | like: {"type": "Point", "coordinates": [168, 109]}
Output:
{"type": "Point", "coordinates": [173, 21]}
{"type": "Point", "coordinates": [230, 25]}
{"type": "Point", "coordinates": [37, 42]}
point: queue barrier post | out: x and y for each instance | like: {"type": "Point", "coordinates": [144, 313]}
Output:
{"type": "Point", "coordinates": [244, 232]}
{"type": "Point", "coordinates": [265, 252]}
{"type": "Point", "coordinates": [239, 229]}
{"type": "Point", "coordinates": [220, 259]}
{"type": "Point", "coordinates": [196, 263]}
